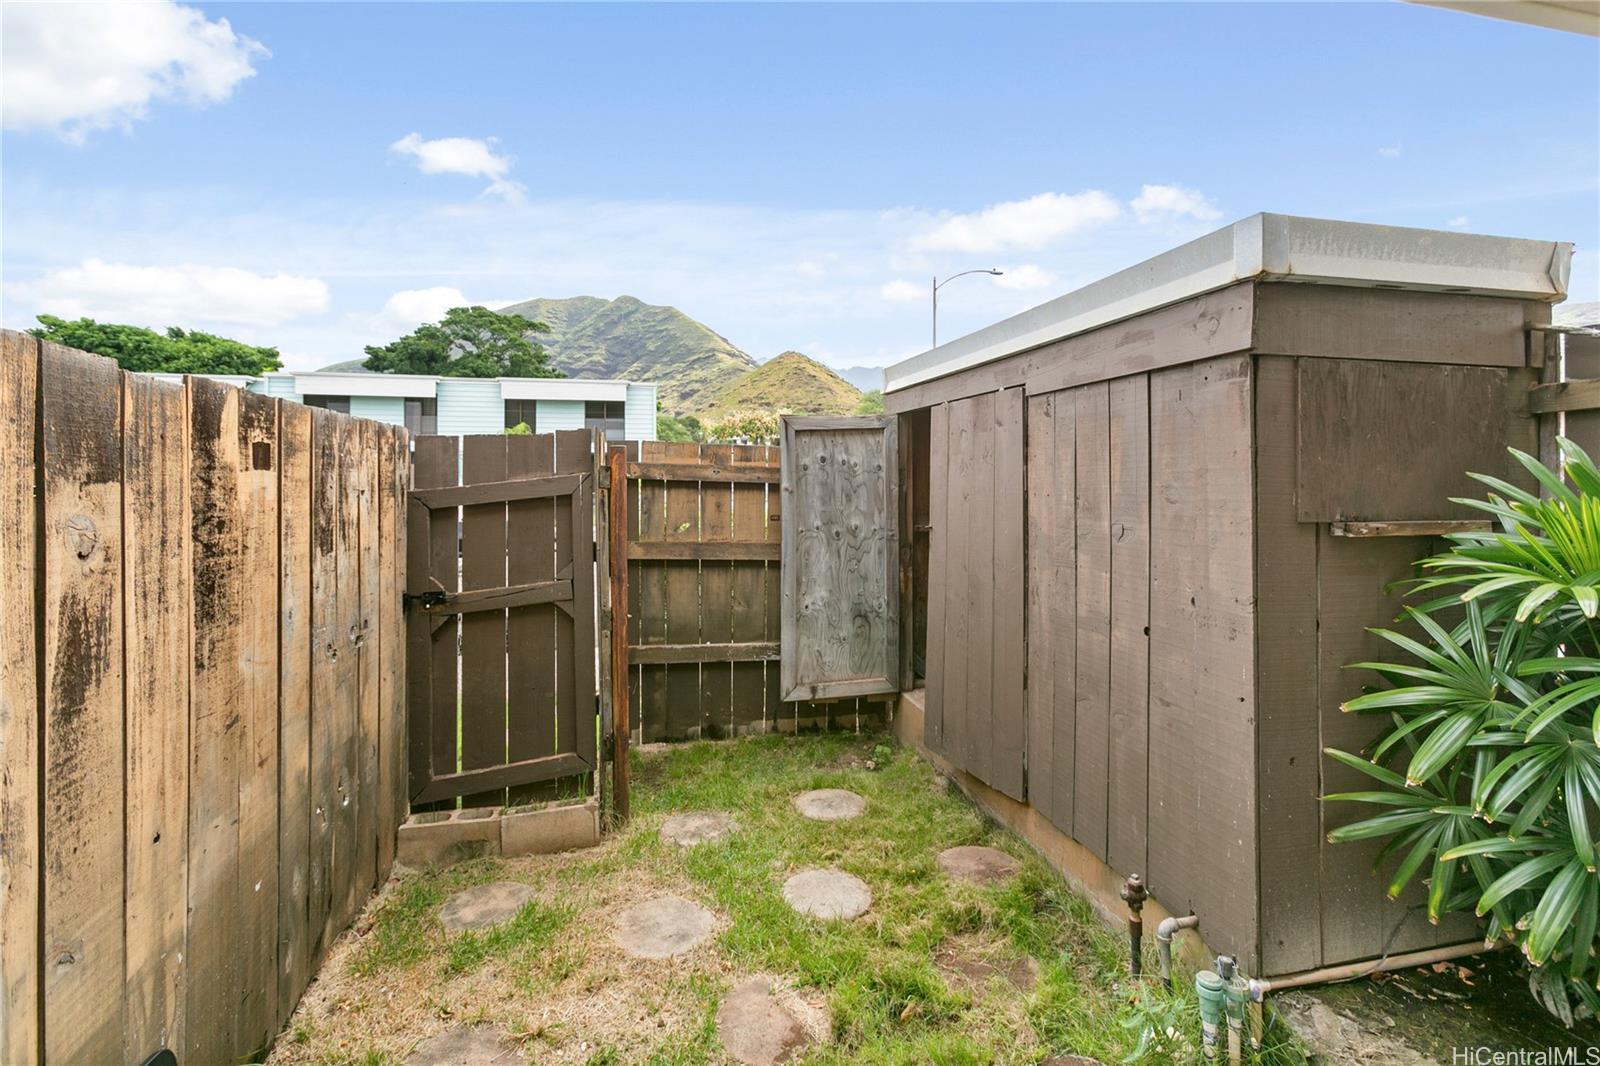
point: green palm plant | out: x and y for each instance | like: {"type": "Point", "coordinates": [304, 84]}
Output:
{"type": "Point", "coordinates": [1488, 766]}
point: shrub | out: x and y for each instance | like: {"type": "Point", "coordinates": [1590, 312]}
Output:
{"type": "Point", "coordinates": [1488, 770]}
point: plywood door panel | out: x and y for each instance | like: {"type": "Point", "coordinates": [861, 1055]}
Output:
{"type": "Point", "coordinates": [1041, 593]}
{"type": "Point", "coordinates": [80, 402]}
{"type": "Point", "coordinates": [1287, 763]}
{"type": "Point", "coordinates": [1008, 696]}
{"type": "Point", "coordinates": [1126, 819]}
{"type": "Point", "coordinates": [841, 562]}
{"type": "Point", "coordinates": [1062, 574]}
{"type": "Point", "coordinates": [155, 509]}
{"type": "Point", "coordinates": [19, 705]}
{"type": "Point", "coordinates": [1202, 695]}
{"type": "Point", "coordinates": [1092, 757]}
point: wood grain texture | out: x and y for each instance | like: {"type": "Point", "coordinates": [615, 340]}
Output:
{"type": "Point", "coordinates": [155, 518]}
{"type": "Point", "coordinates": [747, 599]}
{"type": "Point", "coordinates": [681, 591]}
{"type": "Point", "coordinates": [396, 459]}
{"type": "Point", "coordinates": [940, 498]}
{"type": "Point", "coordinates": [1287, 763]}
{"type": "Point", "coordinates": [80, 403]}
{"type": "Point", "coordinates": [531, 630]}
{"type": "Point", "coordinates": [1092, 756]}
{"type": "Point", "coordinates": [345, 719]}
{"type": "Point", "coordinates": [1008, 697]}
{"type": "Point", "coordinates": [322, 776]}
{"type": "Point", "coordinates": [437, 463]}
{"type": "Point", "coordinates": [255, 930]}
{"type": "Point", "coordinates": [294, 701]}
{"type": "Point", "coordinates": [1041, 434]}
{"type": "Point", "coordinates": [1421, 425]}
{"type": "Point", "coordinates": [20, 977]}
{"type": "Point", "coordinates": [716, 594]}
{"type": "Point", "coordinates": [840, 567]}
{"type": "Point", "coordinates": [575, 635]}
{"type": "Point", "coordinates": [366, 650]}
{"type": "Point", "coordinates": [1126, 809]}
{"type": "Point", "coordinates": [1202, 689]}
{"type": "Point", "coordinates": [977, 599]}
{"type": "Point", "coordinates": [215, 974]}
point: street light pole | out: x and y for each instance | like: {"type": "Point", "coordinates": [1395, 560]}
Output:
{"type": "Point", "coordinates": [937, 285]}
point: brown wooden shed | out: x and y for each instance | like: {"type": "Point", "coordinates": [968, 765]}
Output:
{"type": "Point", "coordinates": [1152, 519]}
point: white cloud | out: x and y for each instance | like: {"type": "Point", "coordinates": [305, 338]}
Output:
{"type": "Point", "coordinates": [1024, 277]}
{"type": "Point", "coordinates": [1459, 222]}
{"type": "Point", "coordinates": [175, 296]}
{"type": "Point", "coordinates": [410, 308]}
{"type": "Point", "coordinates": [1168, 203]}
{"type": "Point", "coordinates": [1390, 151]}
{"type": "Point", "coordinates": [462, 155]}
{"type": "Point", "coordinates": [75, 68]}
{"type": "Point", "coordinates": [903, 291]}
{"type": "Point", "coordinates": [1031, 223]}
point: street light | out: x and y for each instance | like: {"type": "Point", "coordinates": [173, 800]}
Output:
{"type": "Point", "coordinates": [937, 285]}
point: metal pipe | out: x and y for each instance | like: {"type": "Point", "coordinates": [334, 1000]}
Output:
{"type": "Point", "coordinates": [1259, 987]}
{"type": "Point", "coordinates": [1164, 933]}
{"type": "Point", "coordinates": [1134, 894]}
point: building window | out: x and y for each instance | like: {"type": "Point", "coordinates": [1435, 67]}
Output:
{"type": "Point", "coordinates": [606, 415]}
{"type": "Point", "coordinates": [330, 403]}
{"type": "Point", "coordinates": [422, 415]}
{"type": "Point", "coordinates": [522, 412]}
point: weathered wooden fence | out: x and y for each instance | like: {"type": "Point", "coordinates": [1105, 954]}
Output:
{"type": "Point", "coordinates": [704, 597]}
{"type": "Point", "coordinates": [201, 713]}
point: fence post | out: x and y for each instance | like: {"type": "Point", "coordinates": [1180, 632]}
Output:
{"type": "Point", "coordinates": [617, 529]}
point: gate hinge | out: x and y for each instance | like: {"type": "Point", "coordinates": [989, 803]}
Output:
{"type": "Point", "coordinates": [431, 598]}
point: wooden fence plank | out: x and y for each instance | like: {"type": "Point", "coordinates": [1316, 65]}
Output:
{"type": "Point", "coordinates": [1041, 437]}
{"type": "Point", "coordinates": [418, 629]}
{"type": "Point", "coordinates": [682, 598]}
{"type": "Point", "coordinates": [1126, 819]}
{"type": "Point", "coordinates": [322, 777]}
{"type": "Point", "coordinates": [215, 970]}
{"type": "Point", "coordinates": [746, 593]}
{"type": "Point", "coordinates": [394, 456]}
{"type": "Point", "coordinates": [958, 556]}
{"type": "Point", "coordinates": [437, 463]}
{"type": "Point", "coordinates": [367, 651]}
{"type": "Point", "coordinates": [940, 491]}
{"type": "Point", "coordinates": [1064, 614]}
{"type": "Point", "coordinates": [1092, 757]}
{"type": "Point", "coordinates": [483, 633]}
{"type": "Point", "coordinates": [256, 930]}
{"type": "Point", "coordinates": [531, 630]}
{"type": "Point", "coordinates": [716, 591]}
{"type": "Point", "coordinates": [155, 516]}
{"type": "Point", "coordinates": [345, 719]}
{"type": "Point", "coordinates": [19, 704]}
{"type": "Point", "coordinates": [294, 701]}
{"type": "Point", "coordinates": [1008, 697]}
{"type": "Point", "coordinates": [80, 402]}
{"type": "Point", "coordinates": [574, 532]}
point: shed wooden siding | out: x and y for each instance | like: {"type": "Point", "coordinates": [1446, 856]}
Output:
{"type": "Point", "coordinates": [164, 535]}
{"type": "Point", "coordinates": [976, 655]}
{"type": "Point", "coordinates": [1139, 633]}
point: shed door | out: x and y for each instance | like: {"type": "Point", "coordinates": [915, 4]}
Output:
{"type": "Point", "coordinates": [841, 580]}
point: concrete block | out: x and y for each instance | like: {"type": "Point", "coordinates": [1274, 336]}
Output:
{"type": "Point", "coordinates": [435, 838]}
{"type": "Point", "coordinates": [541, 830]}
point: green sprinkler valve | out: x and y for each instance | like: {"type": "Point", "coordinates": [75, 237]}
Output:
{"type": "Point", "coordinates": [1213, 994]}
{"type": "Point", "coordinates": [1238, 994]}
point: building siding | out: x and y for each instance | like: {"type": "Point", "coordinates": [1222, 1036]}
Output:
{"type": "Point", "coordinates": [559, 414]}
{"type": "Point", "coordinates": [639, 418]}
{"type": "Point", "coordinates": [277, 385]}
{"type": "Point", "coordinates": [391, 409]}
{"type": "Point", "coordinates": [470, 406]}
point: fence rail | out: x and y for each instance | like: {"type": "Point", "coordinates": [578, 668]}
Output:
{"type": "Point", "coordinates": [200, 703]}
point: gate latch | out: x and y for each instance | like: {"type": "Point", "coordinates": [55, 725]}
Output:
{"type": "Point", "coordinates": [431, 598]}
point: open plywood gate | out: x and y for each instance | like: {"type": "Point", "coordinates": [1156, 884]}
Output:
{"type": "Point", "coordinates": [841, 560]}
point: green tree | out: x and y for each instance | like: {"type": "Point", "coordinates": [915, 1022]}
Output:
{"type": "Point", "coordinates": [685, 430]}
{"type": "Point", "coordinates": [469, 342]}
{"type": "Point", "coordinates": [176, 351]}
{"type": "Point", "coordinates": [871, 403]}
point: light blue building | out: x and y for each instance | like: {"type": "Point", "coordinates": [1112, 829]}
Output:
{"type": "Point", "coordinates": [626, 410]}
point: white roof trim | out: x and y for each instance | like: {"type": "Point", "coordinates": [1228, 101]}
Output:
{"type": "Point", "coordinates": [562, 389]}
{"type": "Point", "coordinates": [1269, 248]}
{"type": "Point", "coordinates": [238, 381]}
{"type": "Point", "coordinates": [317, 383]}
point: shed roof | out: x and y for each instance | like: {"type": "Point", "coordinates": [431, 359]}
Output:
{"type": "Point", "coordinates": [1266, 247]}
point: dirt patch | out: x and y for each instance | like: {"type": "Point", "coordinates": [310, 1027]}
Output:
{"type": "Point", "coordinates": [970, 964]}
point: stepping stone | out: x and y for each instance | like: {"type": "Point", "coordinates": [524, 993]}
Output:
{"type": "Point", "coordinates": [485, 905]}
{"type": "Point", "coordinates": [827, 894]}
{"type": "Point", "coordinates": [466, 1045]}
{"type": "Point", "coordinates": [830, 804]}
{"type": "Point", "coordinates": [662, 927]}
{"type": "Point", "coordinates": [755, 1029]}
{"type": "Point", "coordinates": [697, 827]}
{"type": "Point", "coordinates": [978, 866]}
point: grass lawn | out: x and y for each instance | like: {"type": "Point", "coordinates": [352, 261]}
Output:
{"type": "Point", "coordinates": [936, 972]}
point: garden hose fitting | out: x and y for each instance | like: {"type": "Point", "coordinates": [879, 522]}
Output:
{"type": "Point", "coordinates": [1213, 994]}
{"type": "Point", "coordinates": [1237, 994]}
{"type": "Point", "coordinates": [1134, 894]}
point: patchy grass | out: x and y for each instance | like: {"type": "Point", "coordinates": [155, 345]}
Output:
{"type": "Point", "coordinates": [553, 979]}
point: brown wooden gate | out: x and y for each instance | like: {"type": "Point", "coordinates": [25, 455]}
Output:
{"type": "Point", "coordinates": [500, 588]}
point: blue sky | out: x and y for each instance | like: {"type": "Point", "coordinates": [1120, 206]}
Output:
{"type": "Point", "coordinates": [320, 176]}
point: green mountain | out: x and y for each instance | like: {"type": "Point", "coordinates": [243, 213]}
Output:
{"type": "Point", "coordinates": [792, 383]}
{"type": "Point", "coordinates": [627, 338]}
